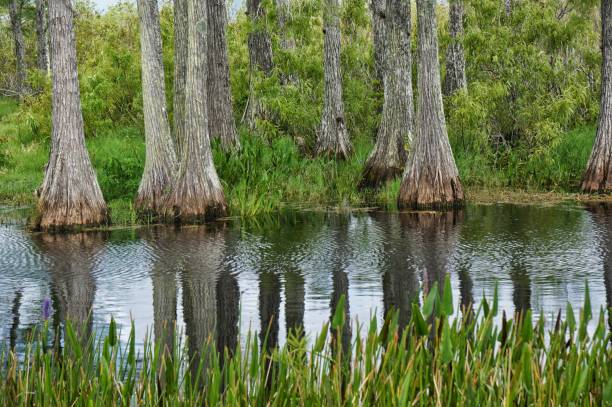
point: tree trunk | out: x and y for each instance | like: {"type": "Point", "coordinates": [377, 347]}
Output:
{"type": "Point", "coordinates": [455, 57]}
{"type": "Point", "coordinates": [260, 58]}
{"type": "Point", "coordinates": [333, 138]}
{"type": "Point", "coordinates": [508, 7]}
{"type": "Point", "coordinates": [283, 11]}
{"type": "Point", "coordinates": [160, 161]}
{"type": "Point", "coordinates": [70, 196]}
{"type": "Point", "coordinates": [431, 179]}
{"type": "Point", "coordinates": [197, 194]}
{"type": "Point", "coordinates": [378, 32]}
{"type": "Point", "coordinates": [220, 112]}
{"type": "Point", "coordinates": [388, 158]}
{"type": "Point", "coordinates": [180, 72]}
{"type": "Point", "coordinates": [42, 60]}
{"type": "Point", "coordinates": [598, 176]}
{"type": "Point", "coordinates": [15, 16]}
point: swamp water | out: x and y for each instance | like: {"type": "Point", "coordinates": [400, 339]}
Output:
{"type": "Point", "coordinates": [227, 278]}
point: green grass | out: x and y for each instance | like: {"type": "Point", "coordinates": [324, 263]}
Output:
{"type": "Point", "coordinates": [442, 357]}
{"type": "Point", "coordinates": [267, 175]}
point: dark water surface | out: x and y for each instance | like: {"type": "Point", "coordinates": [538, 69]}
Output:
{"type": "Point", "coordinates": [289, 271]}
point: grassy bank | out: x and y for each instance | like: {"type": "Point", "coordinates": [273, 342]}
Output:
{"type": "Point", "coordinates": [454, 359]}
{"type": "Point", "coordinates": [269, 174]}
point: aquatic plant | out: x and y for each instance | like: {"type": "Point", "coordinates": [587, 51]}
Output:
{"type": "Point", "coordinates": [442, 357]}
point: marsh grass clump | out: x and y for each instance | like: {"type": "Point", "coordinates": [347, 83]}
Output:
{"type": "Point", "coordinates": [441, 357]}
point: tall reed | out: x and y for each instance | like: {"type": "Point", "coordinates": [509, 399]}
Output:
{"type": "Point", "coordinates": [442, 357]}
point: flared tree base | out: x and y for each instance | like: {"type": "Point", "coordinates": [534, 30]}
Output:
{"type": "Point", "coordinates": [379, 170]}
{"type": "Point", "coordinates": [68, 218]}
{"type": "Point", "coordinates": [597, 182]}
{"type": "Point", "coordinates": [186, 206]}
{"type": "Point", "coordinates": [430, 194]}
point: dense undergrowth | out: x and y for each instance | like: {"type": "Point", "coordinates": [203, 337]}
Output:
{"type": "Point", "coordinates": [526, 121]}
{"type": "Point", "coordinates": [267, 175]}
{"type": "Point", "coordinates": [442, 357]}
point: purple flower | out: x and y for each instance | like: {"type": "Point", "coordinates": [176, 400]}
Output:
{"type": "Point", "coordinates": [46, 309]}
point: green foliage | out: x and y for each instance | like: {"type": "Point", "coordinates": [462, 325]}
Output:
{"type": "Point", "coordinates": [532, 77]}
{"type": "Point", "coordinates": [526, 121]}
{"type": "Point", "coordinates": [446, 359]}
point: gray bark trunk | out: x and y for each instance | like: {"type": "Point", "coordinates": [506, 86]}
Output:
{"type": "Point", "coordinates": [260, 59]}
{"type": "Point", "coordinates": [42, 60]}
{"type": "Point", "coordinates": [508, 7]}
{"type": "Point", "coordinates": [220, 112]}
{"type": "Point", "coordinates": [598, 176]}
{"type": "Point", "coordinates": [180, 72]}
{"type": "Point", "coordinates": [377, 8]}
{"type": "Point", "coordinates": [388, 158]}
{"type": "Point", "coordinates": [197, 194]}
{"type": "Point", "coordinates": [70, 196]}
{"type": "Point", "coordinates": [431, 179]}
{"type": "Point", "coordinates": [283, 11]}
{"type": "Point", "coordinates": [21, 77]}
{"type": "Point", "coordinates": [455, 57]}
{"type": "Point", "coordinates": [333, 138]}
{"type": "Point", "coordinates": [161, 160]}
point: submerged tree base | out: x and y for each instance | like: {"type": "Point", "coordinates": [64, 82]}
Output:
{"type": "Point", "coordinates": [430, 193]}
{"type": "Point", "coordinates": [72, 219]}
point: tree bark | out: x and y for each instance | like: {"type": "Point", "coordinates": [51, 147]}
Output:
{"type": "Point", "coordinates": [377, 8]}
{"type": "Point", "coordinates": [598, 176]}
{"type": "Point", "coordinates": [260, 58]}
{"type": "Point", "coordinates": [70, 196]}
{"type": "Point", "coordinates": [180, 72]}
{"type": "Point", "coordinates": [389, 156]}
{"type": "Point", "coordinates": [431, 179]}
{"type": "Point", "coordinates": [455, 79]}
{"type": "Point", "coordinates": [197, 194]}
{"type": "Point", "coordinates": [220, 112]}
{"type": "Point", "coordinates": [42, 60]}
{"type": "Point", "coordinates": [333, 138]}
{"type": "Point", "coordinates": [283, 11]}
{"type": "Point", "coordinates": [508, 7]}
{"type": "Point", "coordinates": [15, 17]}
{"type": "Point", "coordinates": [160, 161]}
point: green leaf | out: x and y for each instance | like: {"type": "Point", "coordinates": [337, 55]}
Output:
{"type": "Point", "coordinates": [419, 321]}
{"type": "Point", "coordinates": [338, 320]}
{"type": "Point", "coordinates": [320, 343]}
{"type": "Point", "coordinates": [430, 301]}
{"type": "Point", "coordinates": [446, 351]}
{"type": "Point", "coordinates": [447, 297]}
{"type": "Point", "coordinates": [527, 329]}
{"type": "Point", "coordinates": [112, 333]}
{"type": "Point", "coordinates": [587, 311]}
{"type": "Point", "coordinates": [495, 307]}
{"type": "Point", "coordinates": [570, 318]}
